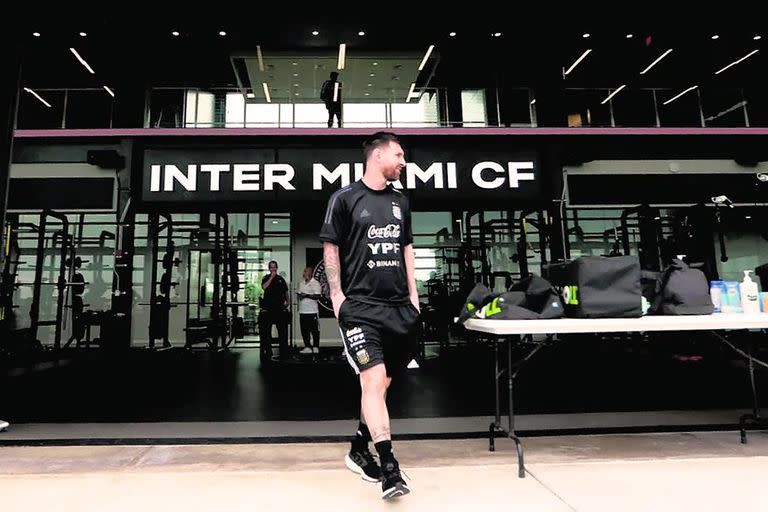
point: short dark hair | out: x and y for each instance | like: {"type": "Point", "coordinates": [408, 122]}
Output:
{"type": "Point", "coordinates": [377, 140]}
{"type": "Point", "coordinates": [271, 262]}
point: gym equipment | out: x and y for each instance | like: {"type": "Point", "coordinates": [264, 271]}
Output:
{"type": "Point", "coordinates": [61, 284]}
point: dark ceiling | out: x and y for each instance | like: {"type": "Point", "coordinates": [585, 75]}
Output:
{"type": "Point", "coordinates": [535, 45]}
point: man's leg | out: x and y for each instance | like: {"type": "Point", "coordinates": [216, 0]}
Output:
{"type": "Point", "coordinates": [265, 335]}
{"type": "Point", "coordinates": [282, 333]}
{"type": "Point", "coordinates": [373, 383]}
{"type": "Point", "coordinates": [338, 114]}
{"type": "Point", "coordinates": [304, 323]}
{"type": "Point", "coordinates": [329, 107]}
{"type": "Point", "coordinates": [315, 329]}
{"type": "Point", "coordinates": [363, 434]}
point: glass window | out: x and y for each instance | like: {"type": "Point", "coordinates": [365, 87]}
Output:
{"type": "Point", "coordinates": [275, 223]}
{"type": "Point", "coordinates": [262, 115]}
{"type": "Point", "coordinates": [200, 109]}
{"type": "Point", "coordinates": [311, 115]}
{"type": "Point", "coordinates": [235, 111]}
{"type": "Point", "coordinates": [683, 111]}
{"type": "Point", "coordinates": [365, 114]}
{"type": "Point", "coordinates": [416, 114]}
{"type": "Point", "coordinates": [473, 107]}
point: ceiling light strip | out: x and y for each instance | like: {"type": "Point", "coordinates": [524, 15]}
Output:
{"type": "Point", "coordinates": [737, 61]}
{"type": "Point", "coordinates": [33, 93]}
{"type": "Point", "coordinates": [614, 93]}
{"type": "Point", "coordinates": [684, 92]}
{"type": "Point", "coordinates": [82, 61]}
{"type": "Point", "coordinates": [583, 55]}
{"type": "Point", "coordinates": [426, 57]}
{"type": "Point", "coordinates": [656, 61]}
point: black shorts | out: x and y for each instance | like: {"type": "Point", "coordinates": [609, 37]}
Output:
{"type": "Point", "coordinates": [377, 334]}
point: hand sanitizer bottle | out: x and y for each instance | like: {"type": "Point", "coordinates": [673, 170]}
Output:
{"type": "Point", "coordinates": [749, 299]}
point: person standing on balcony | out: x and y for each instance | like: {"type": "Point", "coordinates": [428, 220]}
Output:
{"type": "Point", "coordinates": [330, 93]}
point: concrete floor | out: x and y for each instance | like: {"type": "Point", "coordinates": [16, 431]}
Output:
{"type": "Point", "coordinates": [701, 471]}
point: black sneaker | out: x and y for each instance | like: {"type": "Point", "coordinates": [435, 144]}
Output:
{"type": "Point", "coordinates": [392, 483]}
{"type": "Point", "coordinates": [363, 463]}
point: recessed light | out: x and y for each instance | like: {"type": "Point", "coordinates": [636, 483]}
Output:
{"type": "Point", "coordinates": [36, 34]}
{"type": "Point", "coordinates": [757, 37]}
{"type": "Point", "coordinates": [367, 94]}
{"type": "Point", "coordinates": [175, 33]}
{"type": "Point", "coordinates": [452, 34]}
{"type": "Point", "coordinates": [295, 94]}
{"type": "Point", "coordinates": [372, 74]}
{"type": "Point", "coordinates": [315, 32]}
{"type": "Point", "coordinates": [294, 63]}
{"type": "Point", "coordinates": [222, 33]}
{"type": "Point", "coordinates": [496, 34]}
{"type": "Point", "coordinates": [747, 216]}
{"type": "Point", "coordinates": [375, 63]}
{"type": "Point", "coordinates": [629, 36]}
{"type": "Point", "coordinates": [295, 85]}
{"type": "Point", "coordinates": [585, 35]}
{"type": "Point", "coordinates": [250, 95]}
{"type": "Point", "coordinates": [295, 74]}
{"type": "Point", "coordinates": [274, 222]}
{"type": "Point", "coordinates": [83, 34]}
{"type": "Point", "coordinates": [715, 36]}
{"type": "Point", "coordinates": [370, 85]}
{"type": "Point", "coordinates": [361, 33]}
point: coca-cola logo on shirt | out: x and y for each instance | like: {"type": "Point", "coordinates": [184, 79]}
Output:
{"type": "Point", "coordinates": [388, 231]}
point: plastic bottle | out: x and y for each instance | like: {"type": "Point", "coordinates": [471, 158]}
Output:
{"type": "Point", "coordinates": [749, 294]}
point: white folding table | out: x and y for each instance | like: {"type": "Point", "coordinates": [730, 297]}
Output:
{"type": "Point", "coordinates": [502, 331]}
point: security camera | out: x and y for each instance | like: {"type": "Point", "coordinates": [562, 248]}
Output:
{"type": "Point", "coordinates": [762, 176]}
{"type": "Point", "coordinates": [722, 200]}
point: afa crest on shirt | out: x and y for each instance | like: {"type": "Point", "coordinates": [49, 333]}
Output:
{"type": "Point", "coordinates": [396, 211]}
{"type": "Point", "coordinates": [362, 356]}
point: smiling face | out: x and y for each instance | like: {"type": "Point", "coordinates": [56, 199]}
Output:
{"type": "Point", "coordinates": [390, 159]}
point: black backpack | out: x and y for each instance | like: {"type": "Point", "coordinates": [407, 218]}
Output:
{"type": "Point", "coordinates": [682, 290]}
{"type": "Point", "coordinates": [326, 91]}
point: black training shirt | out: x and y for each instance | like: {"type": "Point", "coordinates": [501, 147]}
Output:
{"type": "Point", "coordinates": [371, 229]}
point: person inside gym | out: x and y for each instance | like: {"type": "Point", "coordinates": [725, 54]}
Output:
{"type": "Point", "coordinates": [309, 293]}
{"type": "Point", "coordinates": [274, 311]}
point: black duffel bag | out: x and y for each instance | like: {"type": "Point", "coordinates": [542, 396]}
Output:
{"type": "Point", "coordinates": [599, 286]}
{"type": "Point", "coordinates": [531, 298]}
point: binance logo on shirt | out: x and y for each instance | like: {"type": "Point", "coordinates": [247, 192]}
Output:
{"type": "Point", "coordinates": [371, 263]}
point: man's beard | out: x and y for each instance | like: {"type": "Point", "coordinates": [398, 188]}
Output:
{"type": "Point", "coordinates": [392, 175]}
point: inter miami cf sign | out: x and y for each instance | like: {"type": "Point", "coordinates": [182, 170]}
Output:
{"type": "Point", "coordinates": [241, 175]}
